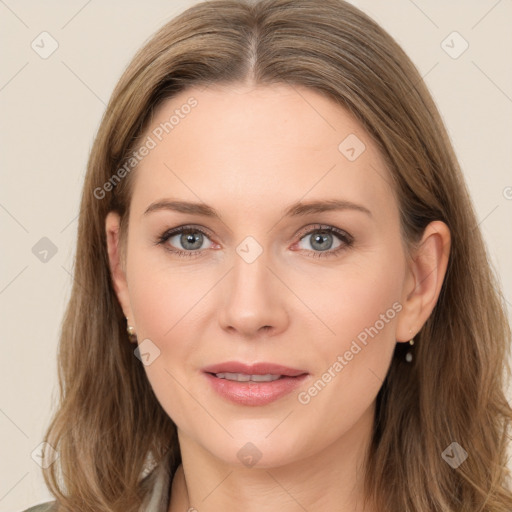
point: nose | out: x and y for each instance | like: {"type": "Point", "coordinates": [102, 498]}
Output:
{"type": "Point", "coordinates": [253, 300]}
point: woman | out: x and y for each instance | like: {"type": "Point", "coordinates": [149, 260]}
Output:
{"type": "Point", "coordinates": [274, 215]}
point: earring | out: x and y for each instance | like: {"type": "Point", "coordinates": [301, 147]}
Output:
{"type": "Point", "coordinates": [408, 356]}
{"type": "Point", "coordinates": [131, 333]}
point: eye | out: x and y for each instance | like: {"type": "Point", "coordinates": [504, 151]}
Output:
{"type": "Point", "coordinates": [321, 240]}
{"type": "Point", "coordinates": [188, 239]}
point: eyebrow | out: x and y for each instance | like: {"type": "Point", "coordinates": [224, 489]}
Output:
{"type": "Point", "coordinates": [295, 210]}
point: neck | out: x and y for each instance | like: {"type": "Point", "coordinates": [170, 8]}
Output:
{"type": "Point", "coordinates": [331, 480]}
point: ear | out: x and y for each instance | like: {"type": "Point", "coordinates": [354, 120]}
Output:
{"type": "Point", "coordinates": [425, 275]}
{"type": "Point", "coordinates": [117, 270]}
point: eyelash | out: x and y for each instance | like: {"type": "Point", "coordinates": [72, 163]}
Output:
{"type": "Point", "coordinates": [346, 239]}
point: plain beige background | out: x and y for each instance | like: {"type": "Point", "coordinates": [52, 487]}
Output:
{"type": "Point", "coordinates": [51, 108]}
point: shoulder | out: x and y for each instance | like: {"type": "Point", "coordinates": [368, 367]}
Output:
{"type": "Point", "coordinates": [48, 506]}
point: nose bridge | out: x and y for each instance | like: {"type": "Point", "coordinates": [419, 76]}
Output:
{"type": "Point", "coordinates": [252, 299]}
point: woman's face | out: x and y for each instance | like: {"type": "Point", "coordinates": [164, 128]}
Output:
{"type": "Point", "coordinates": [293, 257]}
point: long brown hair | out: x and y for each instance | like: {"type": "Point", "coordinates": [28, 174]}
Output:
{"type": "Point", "coordinates": [109, 421]}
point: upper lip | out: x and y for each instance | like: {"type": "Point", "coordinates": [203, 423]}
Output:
{"type": "Point", "coordinates": [253, 369]}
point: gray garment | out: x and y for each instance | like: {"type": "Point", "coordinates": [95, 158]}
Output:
{"type": "Point", "coordinates": [157, 501]}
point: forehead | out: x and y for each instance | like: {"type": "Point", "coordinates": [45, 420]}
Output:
{"type": "Point", "coordinates": [260, 147]}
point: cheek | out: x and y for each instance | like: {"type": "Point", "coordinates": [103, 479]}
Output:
{"type": "Point", "coordinates": [165, 303]}
{"type": "Point", "coordinates": [361, 308]}
{"type": "Point", "coordinates": [356, 302]}
{"type": "Point", "coordinates": [162, 296]}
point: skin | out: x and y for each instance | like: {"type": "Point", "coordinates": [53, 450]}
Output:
{"type": "Point", "coordinates": [250, 153]}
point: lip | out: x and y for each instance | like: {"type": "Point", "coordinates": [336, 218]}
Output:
{"type": "Point", "coordinates": [253, 369]}
{"type": "Point", "coordinates": [254, 393]}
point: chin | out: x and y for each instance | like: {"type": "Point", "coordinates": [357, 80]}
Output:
{"type": "Point", "coordinates": [258, 450]}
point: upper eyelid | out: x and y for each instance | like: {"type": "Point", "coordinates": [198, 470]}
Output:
{"type": "Point", "coordinates": [186, 227]}
{"type": "Point", "coordinates": [324, 227]}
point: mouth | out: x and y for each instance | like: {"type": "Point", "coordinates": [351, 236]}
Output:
{"type": "Point", "coordinates": [243, 377]}
{"type": "Point", "coordinates": [255, 385]}
{"type": "Point", "coordinates": [253, 370]}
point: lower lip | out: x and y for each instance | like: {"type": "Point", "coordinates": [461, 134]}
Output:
{"type": "Point", "coordinates": [255, 393]}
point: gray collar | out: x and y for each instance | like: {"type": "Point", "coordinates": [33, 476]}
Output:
{"type": "Point", "coordinates": [158, 500]}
